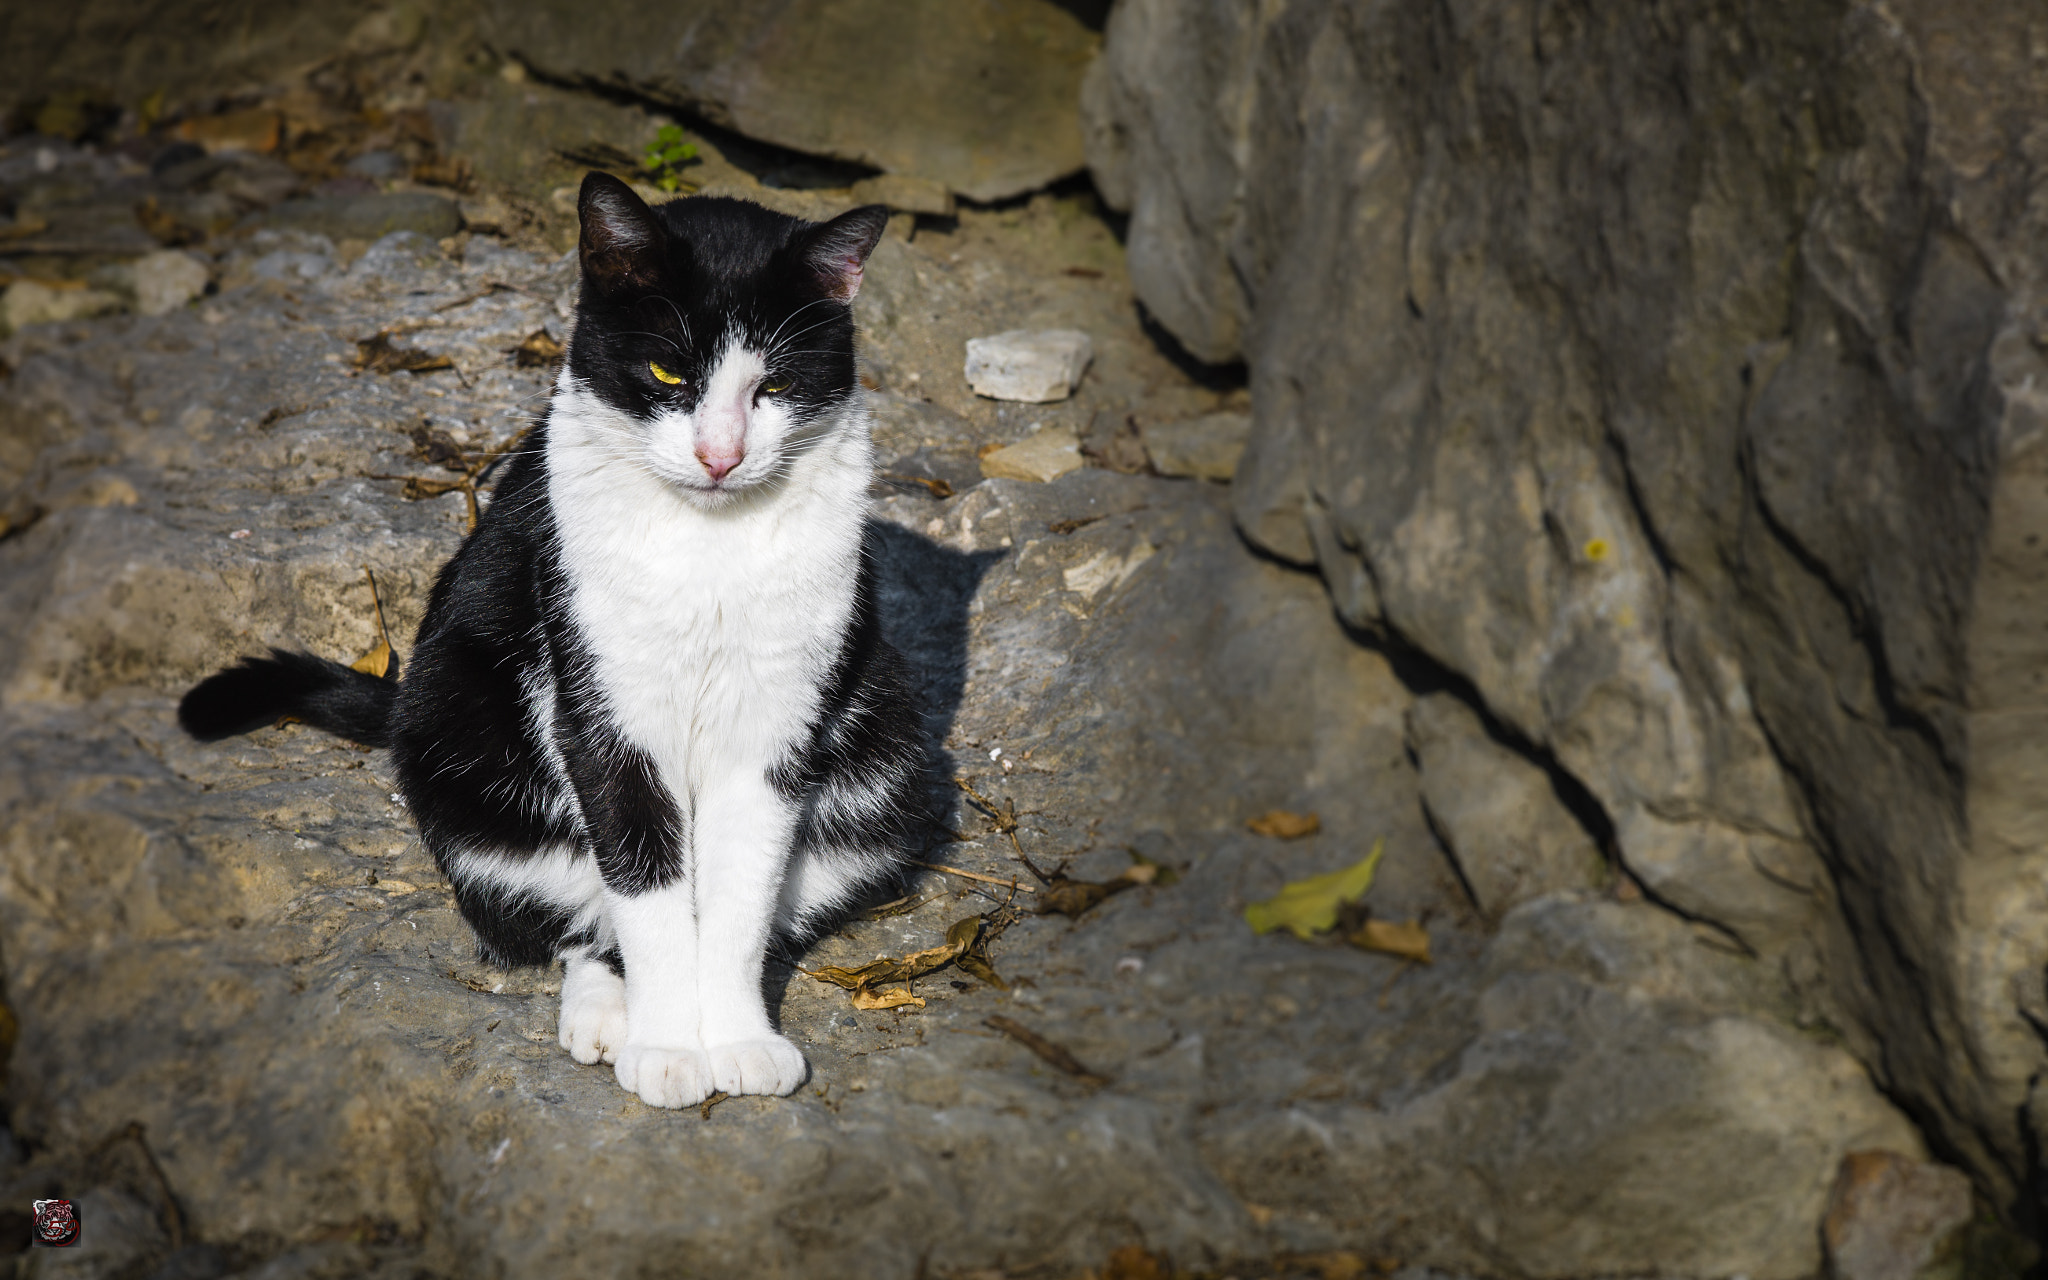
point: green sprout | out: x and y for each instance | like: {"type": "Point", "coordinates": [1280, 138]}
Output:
{"type": "Point", "coordinates": [667, 154]}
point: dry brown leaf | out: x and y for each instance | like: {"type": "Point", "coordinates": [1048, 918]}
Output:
{"type": "Point", "coordinates": [1134, 1262]}
{"type": "Point", "coordinates": [418, 488]}
{"type": "Point", "coordinates": [438, 447]}
{"type": "Point", "coordinates": [537, 350]}
{"type": "Point", "coordinates": [937, 488]}
{"type": "Point", "coordinates": [1064, 527]}
{"type": "Point", "coordinates": [889, 969]}
{"type": "Point", "coordinates": [23, 226]}
{"type": "Point", "coordinates": [1284, 825]}
{"type": "Point", "coordinates": [255, 129]}
{"type": "Point", "coordinates": [162, 226]}
{"type": "Point", "coordinates": [376, 662]}
{"type": "Point", "coordinates": [894, 998]}
{"type": "Point", "coordinates": [1407, 939]}
{"type": "Point", "coordinates": [1072, 898]}
{"type": "Point", "coordinates": [377, 355]}
{"type": "Point", "coordinates": [976, 965]}
{"type": "Point", "coordinates": [1337, 1264]}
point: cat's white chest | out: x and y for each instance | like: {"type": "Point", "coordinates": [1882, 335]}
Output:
{"type": "Point", "coordinates": [710, 633]}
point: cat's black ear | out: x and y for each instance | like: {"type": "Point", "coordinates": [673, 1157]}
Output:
{"type": "Point", "coordinates": [838, 250]}
{"type": "Point", "coordinates": [622, 245]}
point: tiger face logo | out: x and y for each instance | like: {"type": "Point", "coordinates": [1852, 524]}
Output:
{"type": "Point", "coordinates": [56, 1223]}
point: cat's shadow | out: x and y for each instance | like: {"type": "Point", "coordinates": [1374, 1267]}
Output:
{"type": "Point", "coordinates": [922, 593]}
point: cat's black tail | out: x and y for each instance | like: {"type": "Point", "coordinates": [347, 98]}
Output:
{"type": "Point", "coordinates": [327, 695]}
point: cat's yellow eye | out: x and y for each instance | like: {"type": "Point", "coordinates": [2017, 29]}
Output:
{"type": "Point", "coordinates": [659, 372]}
{"type": "Point", "coordinates": [776, 386]}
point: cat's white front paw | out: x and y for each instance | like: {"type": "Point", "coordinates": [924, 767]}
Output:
{"type": "Point", "coordinates": [593, 1015]}
{"type": "Point", "coordinates": [666, 1077]}
{"type": "Point", "coordinates": [770, 1065]}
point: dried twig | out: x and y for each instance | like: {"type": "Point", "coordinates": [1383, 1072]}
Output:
{"type": "Point", "coordinates": [377, 604]}
{"type": "Point", "coordinates": [418, 487]}
{"type": "Point", "coordinates": [937, 488]}
{"type": "Point", "coordinates": [1054, 1054]}
{"type": "Point", "coordinates": [1015, 885]}
{"type": "Point", "coordinates": [173, 1216]}
{"type": "Point", "coordinates": [1004, 819]}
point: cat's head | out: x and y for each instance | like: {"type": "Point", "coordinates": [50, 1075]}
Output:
{"type": "Point", "coordinates": [716, 335]}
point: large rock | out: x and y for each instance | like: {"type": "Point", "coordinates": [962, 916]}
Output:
{"type": "Point", "coordinates": [980, 95]}
{"type": "Point", "coordinates": [1672, 376]}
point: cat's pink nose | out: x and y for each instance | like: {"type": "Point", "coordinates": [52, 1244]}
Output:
{"type": "Point", "coordinates": [718, 464]}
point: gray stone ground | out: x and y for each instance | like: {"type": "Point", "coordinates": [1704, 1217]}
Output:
{"type": "Point", "coordinates": [244, 949]}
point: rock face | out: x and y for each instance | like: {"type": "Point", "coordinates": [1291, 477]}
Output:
{"type": "Point", "coordinates": [1498, 815]}
{"type": "Point", "coordinates": [1673, 377]}
{"type": "Point", "coordinates": [980, 95]}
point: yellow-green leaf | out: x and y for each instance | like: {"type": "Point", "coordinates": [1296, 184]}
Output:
{"type": "Point", "coordinates": [1309, 907]}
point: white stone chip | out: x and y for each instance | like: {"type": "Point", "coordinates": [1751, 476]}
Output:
{"type": "Point", "coordinates": [1033, 366]}
{"type": "Point", "coordinates": [1042, 456]}
{"type": "Point", "coordinates": [28, 302]}
{"type": "Point", "coordinates": [166, 280]}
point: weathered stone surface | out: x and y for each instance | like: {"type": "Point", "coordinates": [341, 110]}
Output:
{"type": "Point", "coordinates": [1894, 1218]}
{"type": "Point", "coordinates": [1041, 456]}
{"type": "Point", "coordinates": [979, 95]}
{"type": "Point", "coordinates": [198, 935]}
{"type": "Point", "coordinates": [105, 49]}
{"type": "Point", "coordinates": [1498, 815]}
{"type": "Point", "coordinates": [1033, 367]}
{"type": "Point", "coordinates": [1205, 448]}
{"type": "Point", "coordinates": [368, 217]}
{"type": "Point", "coordinates": [1600, 1034]}
{"type": "Point", "coordinates": [1670, 378]}
{"type": "Point", "coordinates": [906, 193]}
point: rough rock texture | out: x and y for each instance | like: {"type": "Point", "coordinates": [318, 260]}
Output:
{"type": "Point", "coordinates": [1041, 456]}
{"type": "Point", "coordinates": [366, 217]}
{"type": "Point", "coordinates": [243, 947]}
{"type": "Point", "coordinates": [1672, 375]}
{"type": "Point", "coordinates": [1892, 1218]}
{"type": "Point", "coordinates": [97, 48]}
{"type": "Point", "coordinates": [1499, 816]}
{"type": "Point", "coordinates": [1206, 448]}
{"type": "Point", "coordinates": [980, 95]}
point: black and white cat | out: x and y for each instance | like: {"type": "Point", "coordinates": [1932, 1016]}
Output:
{"type": "Point", "coordinates": [650, 722]}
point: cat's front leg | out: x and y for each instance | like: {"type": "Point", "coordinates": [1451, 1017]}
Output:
{"type": "Point", "coordinates": [663, 1059]}
{"type": "Point", "coordinates": [744, 829]}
